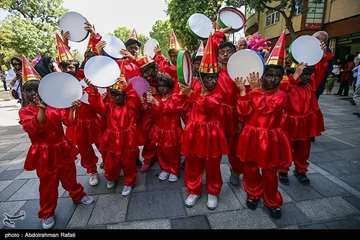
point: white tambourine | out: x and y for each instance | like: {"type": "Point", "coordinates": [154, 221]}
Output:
{"type": "Point", "coordinates": [74, 23]}
{"type": "Point", "coordinates": [306, 49]}
{"type": "Point", "coordinates": [102, 71]}
{"type": "Point", "coordinates": [200, 25]}
{"type": "Point", "coordinates": [59, 89]}
{"type": "Point", "coordinates": [150, 46]}
{"type": "Point", "coordinates": [113, 46]}
{"type": "Point", "coordinates": [244, 62]}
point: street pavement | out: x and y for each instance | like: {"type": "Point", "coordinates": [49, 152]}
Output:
{"type": "Point", "coordinates": [331, 201]}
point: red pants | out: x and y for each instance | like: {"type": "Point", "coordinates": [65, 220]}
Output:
{"type": "Point", "coordinates": [149, 153]}
{"type": "Point", "coordinates": [194, 169]}
{"type": "Point", "coordinates": [301, 155]}
{"type": "Point", "coordinates": [126, 161]}
{"type": "Point", "coordinates": [48, 188]}
{"type": "Point", "coordinates": [263, 185]}
{"type": "Point", "coordinates": [88, 158]}
{"type": "Point", "coordinates": [169, 159]}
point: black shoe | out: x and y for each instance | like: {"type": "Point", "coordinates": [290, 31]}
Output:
{"type": "Point", "coordinates": [313, 139]}
{"type": "Point", "coordinates": [357, 114]}
{"type": "Point", "coordinates": [274, 212]}
{"type": "Point", "coordinates": [138, 162]}
{"type": "Point", "coordinates": [284, 178]}
{"type": "Point", "coordinates": [252, 203]}
{"type": "Point", "coordinates": [102, 165]}
{"type": "Point", "coordinates": [302, 178]}
{"type": "Point", "coordinates": [352, 102]}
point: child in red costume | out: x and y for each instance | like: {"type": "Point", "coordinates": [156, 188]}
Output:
{"type": "Point", "coordinates": [119, 142]}
{"type": "Point", "coordinates": [165, 134]}
{"type": "Point", "coordinates": [51, 154]}
{"type": "Point", "coordinates": [302, 119]}
{"type": "Point", "coordinates": [262, 143]}
{"type": "Point", "coordinates": [204, 141]}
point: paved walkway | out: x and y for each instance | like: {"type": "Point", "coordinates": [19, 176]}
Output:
{"type": "Point", "coordinates": [331, 201]}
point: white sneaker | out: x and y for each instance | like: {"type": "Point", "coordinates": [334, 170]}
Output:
{"type": "Point", "coordinates": [172, 178]}
{"type": "Point", "coordinates": [212, 202]}
{"type": "Point", "coordinates": [126, 190]}
{"type": "Point", "coordinates": [163, 175]}
{"type": "Point", "coordinates": [48, 222]}
{"type": "Point", "coordinates": [191, 200]}
{"type": "Point", "coordinates": [93, 179]}
{"type": "Point", "coordinates": [87, 200]}
{"type": "Point", "coordinates": [110, 185]}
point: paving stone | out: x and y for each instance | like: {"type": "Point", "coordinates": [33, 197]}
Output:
{"type": "Point", "coordinates": [10, 208]}
{"type": "Point", "coordinates": [109, 208]}
{"type": "Point", "coordinates": [27, 175]}
{"type": "Point", "coordinates": [225, 172]}
{"type": "Point", "coordinates": [81, 215]}
{"type": "Point", "coordinates": [326, 187]}
{"type": "Point", "coordinates": [291, 215]}
{"type": "Point", "coordinates": [153, 182]}
{"type": "Point", "coordinates": [155, 205]}
{"type": "Point", "coordinates": [241, 219]}
{"type": "Point", "coordinates": [11, 189]}
{"type": "Point", "coordinates": [224, 159]}
{"type": "Point", "coordinates": [351, 223]}
{"type": "Point", "coordinates": [194, 222]}
{"type": "Point", "coordinates": [4, 184]}
{"type": "Point", "coordinates": [239, 193]}
{"type": "Point", "coordinates": [353, 180]}
{"type": "Point", "coordinates": [341, 167]}
{"type": "Point", "coordinates": [326, 208]}
{"type": "Point", "coordinates": [299, 192]}
{"type": "Point", "coordinates": [314, 226]}
{"type": "Point", "coordinates": [291, 227]}
{"type": "Point", "coordinates": [9, 174]}
{"type": "Point", "coordinates": [227, 201]}
{"type": "Point", "coordinates": [354, 201]}
{"type": "Point", "coordinates": [11, 155]}
{"type": "Point", "coordinates": [30, 190]}
{"type": "Point", "coordinates": [150, 224]}
{"type": "Point", "coordinates": [31, 221]}
{"type": "Point", "coordinates": [16, 165]}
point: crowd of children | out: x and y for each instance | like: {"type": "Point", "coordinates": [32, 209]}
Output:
{"type": "Point", "coordinates": [262, 124]}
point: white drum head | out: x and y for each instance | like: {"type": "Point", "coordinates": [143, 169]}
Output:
{"type": "Point", "coordinates": [200, 25]}
{"type": "Point", "coordinates": [231, 18]}
{"type": "Point", "coordinates": [149, 47]}
{"type": "Point", "coordinates": [102, 71]}
{"type": "Point", "coordinates": [244, 62]}
{"type": "Point", "coordinates": [74, 23]}
{"type": "Point", "coordinates": [307, 49]}
{"type": "Point", "coordinates": [60, 90]}
{"type": "Point", "coordinates": [113, 46]}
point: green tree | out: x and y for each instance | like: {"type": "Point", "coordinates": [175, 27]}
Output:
{"type": "Point", "coordinates": [123, 34]}
{"type": "Point", "coordinates": [30, 27]}
{"type": "Point", "coordinates": [161, 31]}
{"type": "Point", "coordinates": [287, 9]}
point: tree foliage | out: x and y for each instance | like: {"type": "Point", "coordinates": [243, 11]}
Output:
{"type": "Point", "coordinates": [179, 12]}
{"type": "Point", "coordinates": [30, 28]}
{"type": "Point", "coordinates": [161, 31]}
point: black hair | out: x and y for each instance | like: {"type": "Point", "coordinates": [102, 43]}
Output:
{"type": "Point", "coordinates": [268, 67]}
{"type": "Point", "coordinates": [44, 66]}
{"type": "Point", "coordinates": [65, 64]}
{"type": "Point", "coordinates": [227, 44]}
{"type": "Point", "coordinates": [31, 85]}
{"type": "Point", "coordinates": [132, 41]}
{"type": "Point", "coordinates": [15, 59]}
{"type": "Point", "coordinates": [196, 58]}
{"type": "Point", "coordinates": [165, 80]}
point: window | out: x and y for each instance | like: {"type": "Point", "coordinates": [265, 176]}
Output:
{"type": "Point", "coordinates": [272, 17]}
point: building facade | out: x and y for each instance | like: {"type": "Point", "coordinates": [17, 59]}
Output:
{"type": "Point", "coordinates": [340, 18]}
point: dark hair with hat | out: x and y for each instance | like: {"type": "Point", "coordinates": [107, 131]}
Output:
{"type": "Point", "coordinates": [165, 81]}
{"type": "Point", "coordinates": [267, 67]}
{"type": "Point", "coordinates": [227, 44]}
{"type": "Point", "coordinates": [132, 41]}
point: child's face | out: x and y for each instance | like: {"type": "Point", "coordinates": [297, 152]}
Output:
{"type": "Point", "coordinates": [196, 64]}
{"type": "Point", "coordinates": [118, 96]}
{"type": "Point", "coordinates": [224, 54]}
{"type": "Point", "coordinates": [163, 90]}
{"type": "Point", "coordinates": [271, 79]}
{"type": "Point", "coordinates": [209, 81]}
{"type": "Point", "coordinates": [149, 73]}
{"type": "Point", "coordinates": [305, 76]}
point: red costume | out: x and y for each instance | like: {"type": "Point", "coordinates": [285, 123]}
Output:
{"type": "Point", "coordinates": [52, 155]}
{"type": "Point", "coordinates": [119, 142]}
{"type": "Point", "coordinates": [166, 131]}
{"type": "Point", "coordinates": [302, 118]}
{"type": "Point", "coordinates": [263, 144]}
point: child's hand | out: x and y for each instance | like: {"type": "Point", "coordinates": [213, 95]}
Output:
{"type": "Point", "coordinates": [150, 99]}
{"type": "Point", "coordinates": [127, 54]}
{"type": "Point", "coordinates": [122, 82]}
{"type": "Point", "coordinates": [299, 70]}
{"type": "Point", "coordinates": [254, 80]}
{"type": "Point", "coordinates": [323, 45]}
{"type": "Point", "coordinates": [75, 104]}
{"type": "Point", "coordinates": [65, 35]}
{"type": "Point", "coordinates": [240, 83]}
{"type": "Point", "coordinates": [90, 28]}
{"type": "Point", "coordinates": [100, 46]}
{"type": "Point", "coordinates": [185, 90]}
{"type": "Point", "coordinates": [38, 102]}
